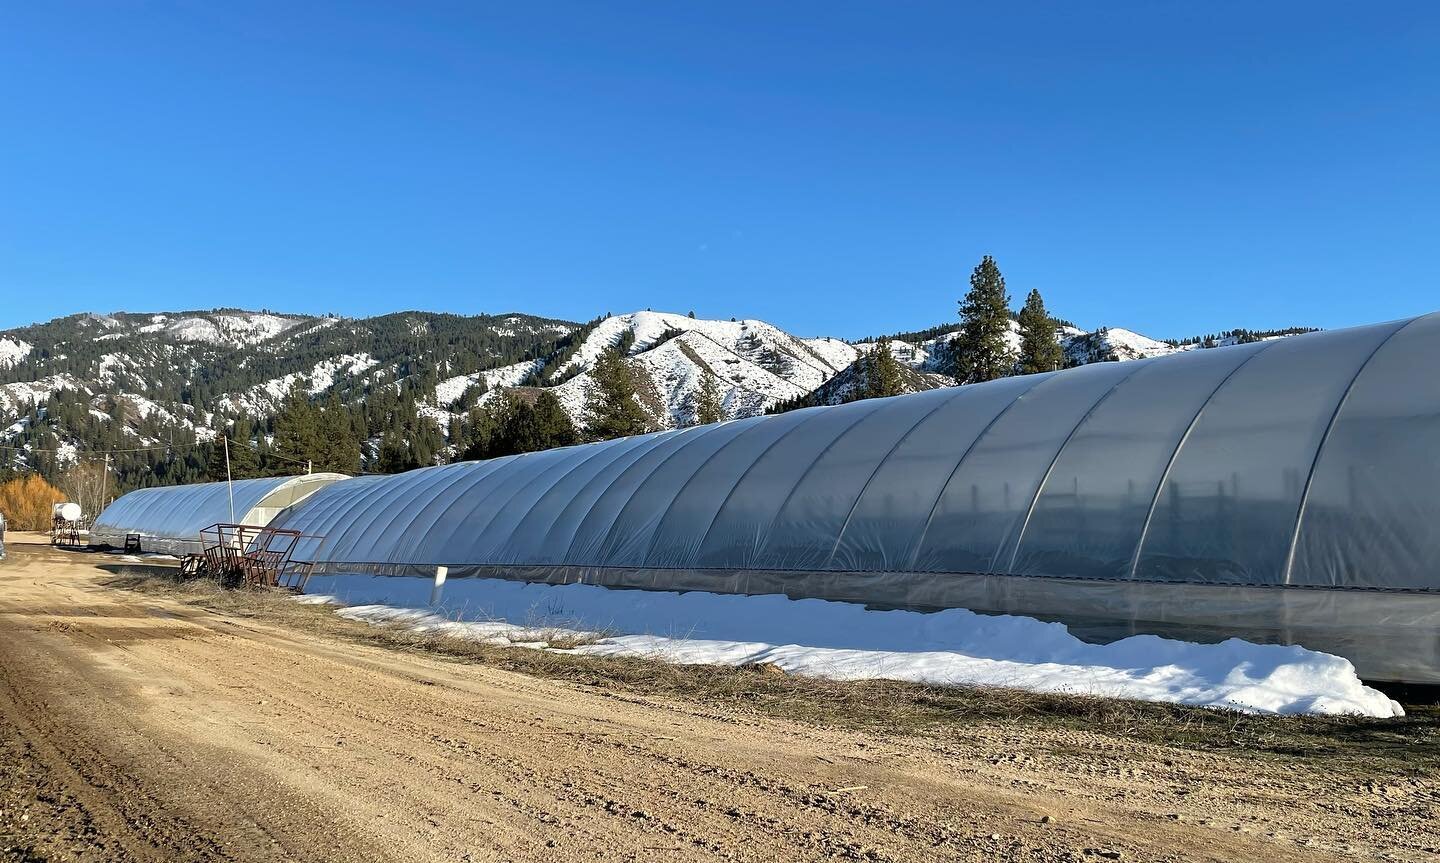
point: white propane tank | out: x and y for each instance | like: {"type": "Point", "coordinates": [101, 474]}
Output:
{"type": "Point", "coordinates": [67, 511]}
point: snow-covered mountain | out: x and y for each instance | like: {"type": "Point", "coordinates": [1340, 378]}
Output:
{"type": "Point", "coordinates": [137, 380]}
{"type": "Point", "coordinates": [756, 364]}
{"type": "Point", "coordinates": [130, 381]}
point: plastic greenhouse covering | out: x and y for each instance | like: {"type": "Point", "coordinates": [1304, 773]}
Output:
{"type": "Point", "coordinates": [1284, 490]}
{"type": "Point", "coordinates": [169, 520]}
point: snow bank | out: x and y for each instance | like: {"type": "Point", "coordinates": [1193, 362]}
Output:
{"type": "Point", "coordinates": [844, 641]}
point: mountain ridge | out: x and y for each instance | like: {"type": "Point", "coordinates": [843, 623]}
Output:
{"type": "Point", "coordinates": [169, 380]}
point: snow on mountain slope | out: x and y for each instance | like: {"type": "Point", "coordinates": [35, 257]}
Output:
{"type": "Point", "coordinates": [843, 387]}
{"type": "Point", "coordinates": [13, 351]}
{"type": "Point", "coordinates": [835, 353]}
{"type": "Point", "coordinates": [448, 391]}
{"type": "Point", "coordinates": [133, 407]}
{"type": "Point", "coordinates": [1113, 344]}
{"type": "Point", "coordinates": [265, 398]}
{"type": "Point", "coordinates": [747, 339]}
{"type": "Point", "coordinates": [18, 398]}
{"type": "Point", "coordinates": [756, 364]}
{"type": "Point", "coordinates": [222, 328]}
{"type": "Point", "coordinates": [668, 377]}
{"type": "Point", "coordinates": [1106, 344]}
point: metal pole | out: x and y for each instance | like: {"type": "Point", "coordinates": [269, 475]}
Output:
{"type": "Point", "coordinates": [104, 481]}
{"type": "Point", "coordinates": [440, 573]}
{"type": "Point", "coordinates": [229, 481]}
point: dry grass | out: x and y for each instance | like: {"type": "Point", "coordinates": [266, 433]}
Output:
{"type": "Point", "coordinates": [1354, 746]}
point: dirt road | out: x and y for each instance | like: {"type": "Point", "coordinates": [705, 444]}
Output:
{"type": "Point", "coordinates": [136, 728]}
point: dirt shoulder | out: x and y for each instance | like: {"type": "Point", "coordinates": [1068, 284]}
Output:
{"type": "Point", "coordinates": [136, 725]}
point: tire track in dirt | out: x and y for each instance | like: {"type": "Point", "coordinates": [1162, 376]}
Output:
{"type": "Point", "coordinates": [156, 731]}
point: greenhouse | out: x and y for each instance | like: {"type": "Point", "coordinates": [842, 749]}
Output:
{"type": "Point", "coordinates": [169, 520]}
{"type": "Point", "coordinates": [1281, 491]}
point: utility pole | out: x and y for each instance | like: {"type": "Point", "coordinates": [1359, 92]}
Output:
{"type": "Point", "coordinates": [104, 481]}
{"type": "Point", "coordinates": [229, 481]}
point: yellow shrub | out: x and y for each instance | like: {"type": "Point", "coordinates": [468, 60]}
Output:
{"type": "Point", "coordinates": [27, 502]}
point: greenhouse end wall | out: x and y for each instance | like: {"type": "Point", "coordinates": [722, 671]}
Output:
{"type": "Point", "coordinates": [169, 519]}
{"type": "Point", "coordinates": [1283, 490]}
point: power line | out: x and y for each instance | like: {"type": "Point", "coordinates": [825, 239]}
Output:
{"type": "Point", "coordinates": [100, 452]}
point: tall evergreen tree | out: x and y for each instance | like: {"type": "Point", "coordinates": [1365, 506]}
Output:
{"type": "Point", "coordinates": [882, 373]}
{"type": "Point", "coordinates": [516, 431]}
{"type": "Point", "coordinates": [297, 432]}
{"type": "Point", "coordinates": [980, 350]}
{"type": "Point", "coordinates": [708, 405]}
{"type": "Point", "coordinates": [511, 424]}
{"type": "Point", "coordinates": [215, 463]}
{"type": "Point", "coordinates": [481, 433]}
{"type": "Point", "coordinates": [553, 427]}
{"type": "Point", "coordinates": [611, 404]}
{"type": "Point", "coordinates": [244, 462]}
{"type": "Point", "coordinates": [1039, 348]}
{"type": "Point", "coordinates": [396, 454]}
{"type": "Point", "coordinates": [338, 448]}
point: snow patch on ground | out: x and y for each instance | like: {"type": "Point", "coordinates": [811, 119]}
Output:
{"type": "Point", "coordinates": [236, 330]}
{"type": "Point", "coordinates": [12, 351]}
{"type": "Point", "coordinates": [448, 391]}
{"type": "Point", "coordinates": [17, 398]}
{"type": "Point", "coordinates": [1130, 345]}
{"type": "Point", "coordinates": [267, 397]}
{"type": "Point", "coordinates": [112, 366]}
{"type": "Point", "coordinates": [844, 641]}
{"type": "Point", "coordinates": [836, 353]}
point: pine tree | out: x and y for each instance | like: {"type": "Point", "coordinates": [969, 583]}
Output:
{"type": "Point", "coordinates": [553, 427]}
{"type": "Point", "coordinates": [338, 448]}
{"type": "Point", "coordinates": [396, 454]}
{"type": "Point", "coordinates": [613, 410]}
{"type": "Point", "coordinates": [882, 373]}
{"type": "Point", "coordinates": [215, 465]}
{"type": "Point", "coordinates": [297, 432]}
{"type": "Point", "coordinates": [244, 462]}
{"type": "Point", "coordinates": [980, 350]}
{"type": "Point", "coordinates": [510, 424]}
{"type": "Point", "coordinates": [708, 405]}
{"type": "Point", "coordinates": [481, 432]}
{"type": "Point", "coordinates": [1039, 348]}
{"type": "Point", "coordinates": [517, 429]}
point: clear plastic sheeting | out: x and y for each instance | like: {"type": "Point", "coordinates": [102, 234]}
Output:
{"type": "Point", "coordinates": [1287, 465]}
{"type": "Point", "coordinates": [169, 520]}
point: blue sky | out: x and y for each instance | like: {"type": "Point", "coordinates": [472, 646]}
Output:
{"type": "Point", "coordinates": [836, 168]}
